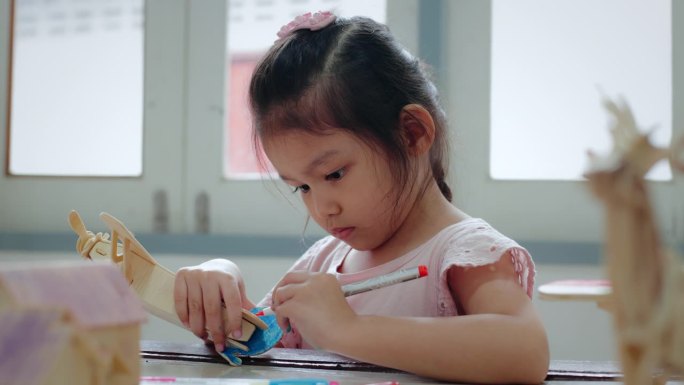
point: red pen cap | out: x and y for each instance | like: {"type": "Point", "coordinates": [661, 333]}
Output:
{"type": "Point", "coordinates": [422, 270]}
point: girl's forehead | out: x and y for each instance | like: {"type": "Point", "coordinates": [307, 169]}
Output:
{"type": "Point", "coordinates": [301, 138]}
{"type": "Point", "coordinates": [298, 147]}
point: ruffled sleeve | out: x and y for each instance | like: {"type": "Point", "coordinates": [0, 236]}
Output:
{"type": "Point", "coordinates": [481, 245]}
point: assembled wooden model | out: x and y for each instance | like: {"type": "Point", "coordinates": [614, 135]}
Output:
{"type": "Point", "coordinates": [75, 323]}
{"type": "Point", "coordinates": [647, 280]}
{"type": "Point", "coordinates": [154, 283]}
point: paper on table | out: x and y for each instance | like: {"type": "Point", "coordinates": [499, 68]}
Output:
{"type": "Point", "coordinates": [147, 380]}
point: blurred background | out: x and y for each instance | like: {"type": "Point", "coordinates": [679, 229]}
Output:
{"type": "Point", "coordinates": [138, 108]}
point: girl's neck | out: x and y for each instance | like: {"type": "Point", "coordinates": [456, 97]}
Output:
{"type": "Point", "coordinates": [431, 214]}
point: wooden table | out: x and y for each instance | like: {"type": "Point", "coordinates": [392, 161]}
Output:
{"type": "Point", "coordinates": [198, 360]}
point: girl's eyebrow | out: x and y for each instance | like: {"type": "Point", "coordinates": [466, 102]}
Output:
{"type": "Point", "coordinates": [317, 161]}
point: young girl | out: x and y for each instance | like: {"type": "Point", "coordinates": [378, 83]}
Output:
{"type": "Point", "coordinates": [349, 119]}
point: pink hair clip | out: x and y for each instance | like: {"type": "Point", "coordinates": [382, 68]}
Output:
{"type": "Point", "coordinates": [312, 22]}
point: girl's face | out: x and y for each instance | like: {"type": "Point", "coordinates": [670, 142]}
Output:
{"type": "Point", "coordinates": [346, 186]}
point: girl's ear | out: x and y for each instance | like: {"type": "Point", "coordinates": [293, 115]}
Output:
{"type": "Point", "coordinates": [417, 128]}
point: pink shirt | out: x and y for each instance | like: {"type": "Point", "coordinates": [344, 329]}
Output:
{"type": "Point", "coordinates": [470, 242]}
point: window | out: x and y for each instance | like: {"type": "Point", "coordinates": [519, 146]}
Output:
{"type": "Point", "coordinates": [551, 62]}
{"type": "Point", "coordinates": [33, 203]}
{"type": "Point", "coordinates": [553, 210]}
{"type": "Point", "coordinates": [185, 116]}
{"type": "Point", "coordinates": [76, 88]}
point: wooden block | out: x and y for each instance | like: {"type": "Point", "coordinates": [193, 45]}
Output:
{"type": "Point", "coordinates": [253, 319]}
{"type": "Point", "coordinates": [248, 328]}
{"type": "Point", "coordinates": [237, 344]}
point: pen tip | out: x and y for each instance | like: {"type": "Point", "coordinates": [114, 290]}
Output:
{"type": "Point", "coordinates": [422, 270]}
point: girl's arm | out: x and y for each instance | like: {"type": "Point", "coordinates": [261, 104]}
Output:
{"type": "Point", "coordinates": [200, 293]}
{"type": "Point", "coordinates": [500, 340]}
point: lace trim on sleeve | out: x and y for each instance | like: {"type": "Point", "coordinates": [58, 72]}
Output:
{"type": "Point", "coordinates": [482, 246]}
{"type": "Point", "coordinates": [522, 264]}
{"type": "Point", "coordinates": [524, 267]}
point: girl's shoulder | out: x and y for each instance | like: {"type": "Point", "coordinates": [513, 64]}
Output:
{"type": "Point", "coordinates": [473, 242]}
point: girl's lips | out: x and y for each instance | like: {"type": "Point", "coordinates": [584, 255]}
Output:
{"type": "Point", "coordinates": [342, 233]}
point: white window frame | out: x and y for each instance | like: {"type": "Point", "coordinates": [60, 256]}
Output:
{"type": "Point", "coordinates": [35, 204]}
{"type": "Point", "coordinates": [561, 211]}
{"type": "Point", "coordinates": [184, 115]}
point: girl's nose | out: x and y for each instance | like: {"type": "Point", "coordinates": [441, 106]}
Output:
{"type": "Point", "coordinates": [326, 205]}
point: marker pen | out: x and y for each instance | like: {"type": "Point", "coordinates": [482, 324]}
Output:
{"type": "Point", "coordinates": [378, 282]}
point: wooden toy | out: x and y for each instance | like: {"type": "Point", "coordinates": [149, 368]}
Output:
{"type": "Point", "coordinates": [154, 284]}
{"type": "Point", "coordinates": [647, 280]}
{"type": "Point", "coordinates": [74, 323]}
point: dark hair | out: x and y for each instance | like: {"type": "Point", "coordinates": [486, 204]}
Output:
{"type": "Point", "coordinates": [351, 75]}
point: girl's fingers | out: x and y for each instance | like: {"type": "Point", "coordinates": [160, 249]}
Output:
{"type": "Point", "coordinates": [284, 293]}
{"type": "Point", "coordinates": [296, 276]}
{"type": "Point", "coordinates": [211, 299]}
{"type": "Point", "coordinates": [208, 299]}
{"type": "Point", "coordinates": [196, 309]}
{"type": "Point", "coordinates": [233, 312]}
{"type": "Point", "coordinates": [281, 295]}
{"type": "Point", "coordinates": [283, 321]}
{"type": "Point", "coordinates": [180, 298]}
{"type": "Point", "coordinates": [290, 280]}
{"type": "Point", "coordinates": [284, 324]}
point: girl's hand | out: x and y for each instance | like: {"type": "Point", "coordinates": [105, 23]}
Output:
{"type": "Point", "coordinates": [314, 304]}
{"type": "Point", "coordinates": [199, 295]}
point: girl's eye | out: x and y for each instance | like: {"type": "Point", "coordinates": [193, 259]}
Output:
{"type": "Point", "coordinates": [337, 175]}
{"type": "Point", "coordinates": [303, 188]}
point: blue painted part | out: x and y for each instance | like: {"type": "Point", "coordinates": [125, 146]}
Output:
{"type": "Point", "coordinates": [261, 340]}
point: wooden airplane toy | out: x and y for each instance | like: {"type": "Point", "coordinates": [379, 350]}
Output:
{"type": "Point", "coordinates": [154, 284]}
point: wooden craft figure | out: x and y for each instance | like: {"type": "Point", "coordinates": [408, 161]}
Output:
{"type": "Point", "coordinates": [154, 285]}
{"type": "Point", "coordinates": [75, 324]}
{"type": "Point", "coordinates": [647, 280]}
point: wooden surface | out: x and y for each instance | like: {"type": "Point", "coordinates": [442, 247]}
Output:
{"type": "Point", "coordinates": [313, 363]}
